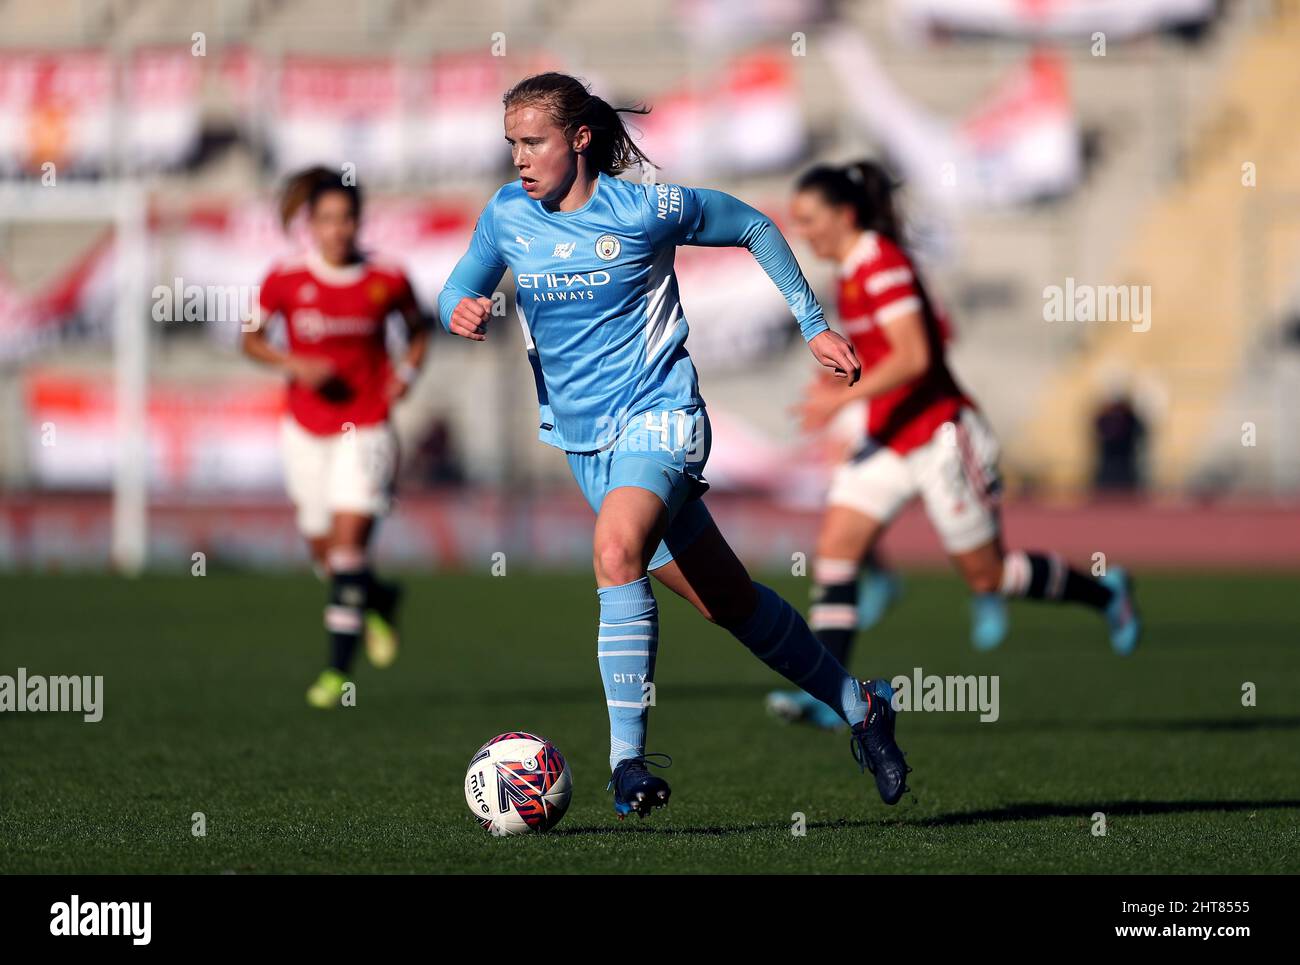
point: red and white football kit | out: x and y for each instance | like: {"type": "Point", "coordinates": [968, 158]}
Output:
{"type": "Point", "coordinates": [340, 453]}
{"type": "Point", "coordinates": [925, 437]}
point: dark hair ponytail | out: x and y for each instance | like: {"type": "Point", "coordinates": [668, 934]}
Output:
{"type": "Point", "coordinates": [309, 185]}
{"type": "Point", "coordinates": [866, 187]}
{"type": "Point", "coordinates": [572, 105]}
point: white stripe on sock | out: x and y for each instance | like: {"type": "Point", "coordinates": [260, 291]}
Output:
{"type": "Point", "coordinates": [1056, 576]}
{"type": "Point", "coordinates": [834, 571]}
{"type": "Point", "coordinates": [624, 653]}
{"type": "Point", "coordinates": [833, 616]}
{"type": "Point", "coordinates": [342, 619]}
{"type": "Point", "coordinates": [1015, 574]}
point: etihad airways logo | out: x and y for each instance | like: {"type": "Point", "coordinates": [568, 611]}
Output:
{"type": "Point", "coordinates": [561, 287]}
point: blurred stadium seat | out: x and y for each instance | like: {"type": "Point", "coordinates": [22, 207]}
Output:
{"type": "Point", "coordinates": [206, 105]}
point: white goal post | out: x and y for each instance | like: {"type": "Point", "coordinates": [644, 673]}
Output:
{"type": "Point", "coordinates": [123, 203]}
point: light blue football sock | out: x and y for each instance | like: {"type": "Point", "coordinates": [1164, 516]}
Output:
{"type": "Point", "coordinates": [778, 635]}
{"type": "Point", "coordinates": [625, 649]}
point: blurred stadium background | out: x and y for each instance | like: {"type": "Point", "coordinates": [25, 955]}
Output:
{"type": "Point", "coordinates": [1108, 142]}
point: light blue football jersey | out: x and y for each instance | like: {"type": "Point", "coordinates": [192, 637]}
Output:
{"type": "Point", "coordinates": [597, 295]}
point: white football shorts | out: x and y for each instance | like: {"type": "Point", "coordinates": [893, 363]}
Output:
{"type": "Point", "coordinates": [346, 472]}
{"type": "Point", "coordinates": [955, 474]}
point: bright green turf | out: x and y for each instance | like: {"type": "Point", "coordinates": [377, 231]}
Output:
{"type": "Point", "coordinates": [204, 682]}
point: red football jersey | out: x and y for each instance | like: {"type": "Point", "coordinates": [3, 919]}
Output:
{"type": "Point", "coordinates": [878, 285]}
{"type": "Point", "coordinates": [337, 314]}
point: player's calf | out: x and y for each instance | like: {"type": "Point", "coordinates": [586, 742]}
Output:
{"type": "Point", "coordinates": [626, 644]}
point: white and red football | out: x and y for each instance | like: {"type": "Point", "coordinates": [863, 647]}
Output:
{"type": "Point", "coordinates": [518, 783]}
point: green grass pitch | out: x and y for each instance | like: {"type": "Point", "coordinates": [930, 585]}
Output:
{"type": "Point", "coordinates": [204, 712]}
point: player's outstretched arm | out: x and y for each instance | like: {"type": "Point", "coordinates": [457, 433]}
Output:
{"type": "Point", "coordinates": [726, 221]}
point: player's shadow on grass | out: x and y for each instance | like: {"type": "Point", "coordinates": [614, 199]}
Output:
{"type": "Point", "coordinates": [1028, 811]}
{"type": "Point", "coordinates": [1035, 811]}
{"type": "Point", "coordinates": [1252, 722]}
{"type": "Point", "coordinates": [583, 694]}
{"type": "Point", "coordinates": [624, 827]}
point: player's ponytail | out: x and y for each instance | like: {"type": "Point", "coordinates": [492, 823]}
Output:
{"type": "Point", "coordinates": [307, 186]}
{"type": "Point", "coordinates": [866, 187]}
{"type": "Point", "coordinates": [572, 105]}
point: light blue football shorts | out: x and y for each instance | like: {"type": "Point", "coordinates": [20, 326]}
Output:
{"type": "Point", "coordinates": [663, 451]}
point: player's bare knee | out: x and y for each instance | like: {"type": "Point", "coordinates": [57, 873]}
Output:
{"type": "Point", "coordinates": [617, 561]}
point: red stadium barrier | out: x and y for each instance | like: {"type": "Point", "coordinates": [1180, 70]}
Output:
{"type": "Point", "coordinates": [464, 529]}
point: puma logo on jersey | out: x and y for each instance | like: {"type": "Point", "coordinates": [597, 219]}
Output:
{"type": "Point", "coordinates": [525, 241]}
{"type": "Point", "coordinates": [564, 249]}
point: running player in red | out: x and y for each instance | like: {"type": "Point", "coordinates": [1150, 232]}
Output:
{"type": "Point", "coordinates": [340, 452]}
{"type": "Point", "coordinates": [924, 436]}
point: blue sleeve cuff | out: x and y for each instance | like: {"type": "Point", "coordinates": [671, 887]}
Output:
{"type": "Point", "coordinates": [447, 302]}
{"type": "Point", "coordinates": [812, 327]}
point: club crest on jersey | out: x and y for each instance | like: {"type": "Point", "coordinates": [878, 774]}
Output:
{"type": "Point", "coordinates": [564, 249]}
{"type": "Point", "coordinates": [607, 247]}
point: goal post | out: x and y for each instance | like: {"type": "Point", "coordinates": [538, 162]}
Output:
{"type": "Point", "coordinates": [124, 204]}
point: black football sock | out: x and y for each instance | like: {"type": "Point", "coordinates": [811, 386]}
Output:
{"type": "Point", "coordinates": [350, 583]}
{"type": "Point", "coordinates": [383, 597]}
{"type": "Point", "coordinates": [1045, 576]}
{"type": "Point", "coordinates": [833, 616]}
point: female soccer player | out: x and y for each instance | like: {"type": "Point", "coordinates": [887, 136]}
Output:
{"type": "Point", "coordinates": [924, 435]}
{"type": "Point", "coordinates": [597, 298]}
{"type": "Point", "coordinates": [340, 453]}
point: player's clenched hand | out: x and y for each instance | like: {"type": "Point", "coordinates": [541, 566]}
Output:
{"type": "Point", "coordinates": [311, 371]}
{"type": "Point", "coordinates": [469, 318]}
{"type": "Point", "coordinates": [836, 352]}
